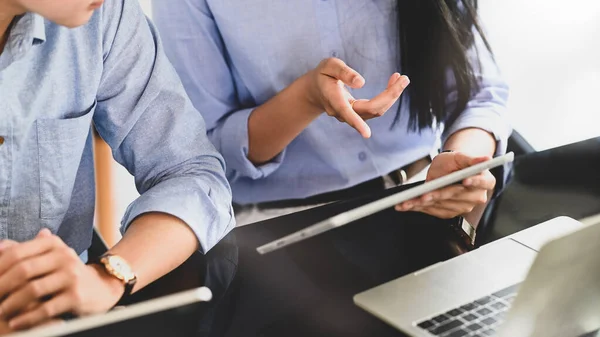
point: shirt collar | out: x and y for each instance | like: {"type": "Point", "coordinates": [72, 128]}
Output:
{"type": "Point", "coordinates": [29, 27]}
{"type": "Point", "coordinates": [27, 31]}
{"type": "Point", "coordinates": [38, 29]}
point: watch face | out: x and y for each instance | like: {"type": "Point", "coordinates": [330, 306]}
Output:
{"type": "Point", "coordinates": [120, 268]}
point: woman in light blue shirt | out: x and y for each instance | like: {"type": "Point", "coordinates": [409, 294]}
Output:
{"type": "Point", "coordinates": [263, 72]}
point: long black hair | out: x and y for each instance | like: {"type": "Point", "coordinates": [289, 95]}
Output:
{"type": "Point", "coordinates": [435, 38]}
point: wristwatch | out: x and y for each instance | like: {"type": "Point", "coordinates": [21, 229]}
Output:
{"type": "Point", "coordinates": [464, 229]}
{"type": "Point", "coordinates": [117, 267]}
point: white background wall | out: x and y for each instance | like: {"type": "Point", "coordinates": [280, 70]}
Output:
{"type": "Point", "coordinates": [549, 51]}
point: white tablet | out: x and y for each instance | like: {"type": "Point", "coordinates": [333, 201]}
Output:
{"type": "Point", "coordinates": [146, 318]}
{"type": "Point", "coordinates": [381, 204]}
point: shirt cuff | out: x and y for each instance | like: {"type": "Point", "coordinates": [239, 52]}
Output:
{"type": "Point", "coordinates": [486, 119]}
{"type": "Point", "coordinates": [206, 211]}
{"type": "Point", "coordinates": [491, 121]}
{"type": "Point", "coordinates": [234, 148]}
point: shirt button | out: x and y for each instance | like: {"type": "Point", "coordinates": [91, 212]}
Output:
{"type": "Point", "coordinates": [334, 54]}
{"type": "Point", "coordinates": [1, 140]}
{"type": "Point", "coordinates": [362, 156]}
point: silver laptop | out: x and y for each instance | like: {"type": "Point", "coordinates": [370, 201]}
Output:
{"type": "Point", "coordinates": [172, 315]}
{"type": "Point", "coordinates": [510, 288]}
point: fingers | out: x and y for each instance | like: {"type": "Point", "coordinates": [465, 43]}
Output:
{"type": "Point", "coordinates": [393, 79]}
{"type": "Point", "coordinates": [34, 291]}
{"type": "Point", "coordinates": [463, 160]}
{"type": "Point", "coordinates": [446, 163]}
{"type": "Point", "coordinates": [381, 103]}
{"type": "Point", "coordinates": [28, 269]}
{"type": "Point", "coordinates": [5, 244]}
{"type": "Point", "coordinates": [44, 233]}
{"type": "Point", "coordinates": [431, 198]}
{"type": "Point", "coordinates": [455, 194]}
{"type": "Point", "coordinates": [461, 204]}
{"type": "Point", "coordinates": [454, 199]}
{"type": "Point", "coordinates": [449, 212]}
{"type": "Point", "coordinates": [445, 209]}
{"type": "Point", "coordinates": [15, 253]}
{"type": "Point", "coordinates": [471, 190]}
{"type": "Point", "coordinates": [446, 193]}
{"type": "Point", "coordinates": [340, 107]}
{"type": "Point", "coordinates": [483, 181]}
{"type": "Point", "coordinates": [336, 68]}
{"type": "Point", "coordinates": [355, 112]}
{"type": "Point", "coordinates": [350, 117]}
{"type": "Point", "coordinates": [45, 312]}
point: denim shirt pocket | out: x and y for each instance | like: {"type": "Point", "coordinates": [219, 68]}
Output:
{"type": "Point", "coordinates": [60, 147]}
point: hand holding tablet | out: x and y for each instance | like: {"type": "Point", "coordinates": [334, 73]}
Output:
{"type": "Point", "coordinates": [381, 204]}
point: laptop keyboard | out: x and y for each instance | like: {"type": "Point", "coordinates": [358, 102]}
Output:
{"type": "Point", "coordinates": [478, 318]}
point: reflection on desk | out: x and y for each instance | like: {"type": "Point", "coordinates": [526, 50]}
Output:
{"type": "Point", "coordinates": [215, 270]}
{"type": "Point", "coordinates": [306, 289]}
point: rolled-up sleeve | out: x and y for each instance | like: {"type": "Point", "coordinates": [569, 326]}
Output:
{"type": "Point", "coordinates": [195, 46]}
{"type": "Point", "coordinates": [487, 107]}
{"type": "Point", "coordinates": [231, 138]}
{"type": "Point", "coordinates": [154, 131]}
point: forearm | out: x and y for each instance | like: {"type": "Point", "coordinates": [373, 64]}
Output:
{"type": "Point", "coordinates": [154, 245]}
{"type": "Point", "coordinates": [472, 141]}
{"type": "Point", "coordinates": [273, 125]}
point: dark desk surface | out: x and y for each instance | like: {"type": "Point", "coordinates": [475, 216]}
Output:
{"type": "Point", "coordinates": [307, 288]}
{"type": "Point", "coordinates": [547, 184]}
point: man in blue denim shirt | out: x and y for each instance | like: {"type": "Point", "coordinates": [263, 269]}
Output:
{"type": "Point", "coordinates": [55, 81]}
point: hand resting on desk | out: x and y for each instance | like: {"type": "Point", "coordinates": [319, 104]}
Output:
{"type": "Point", "coordinates": [43, 278]}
